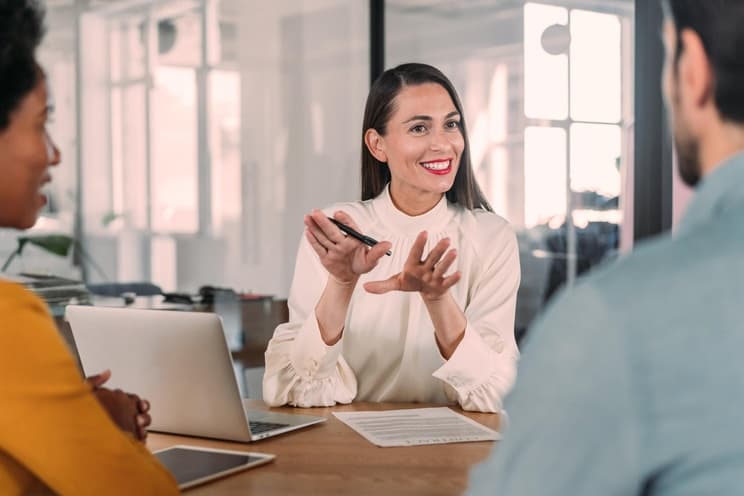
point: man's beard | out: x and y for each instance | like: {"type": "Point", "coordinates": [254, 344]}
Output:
{"type": "Point", "coordinates": [688, 159]}
{"type": "Point", "coordinates": [687, 147]}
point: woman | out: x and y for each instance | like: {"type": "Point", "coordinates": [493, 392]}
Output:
{"type": "Point", "coordinates": [434, 322]}
{"type": "Point", "coordinates": [58, 433]}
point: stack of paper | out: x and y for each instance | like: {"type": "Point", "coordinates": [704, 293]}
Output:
{"type": "Point", "coordinates": [54, 290]}
{"type": "Point", "coordinates": [416, 426]}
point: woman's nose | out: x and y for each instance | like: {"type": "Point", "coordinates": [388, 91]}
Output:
{"type": "Point", "coordinates": [440, 140]}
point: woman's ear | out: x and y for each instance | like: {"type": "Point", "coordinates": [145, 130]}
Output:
{"type": "Point", "coordinates": [375, 144]}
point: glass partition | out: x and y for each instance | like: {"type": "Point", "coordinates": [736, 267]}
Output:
{"type": "Point", "coordinates": [547, 93]}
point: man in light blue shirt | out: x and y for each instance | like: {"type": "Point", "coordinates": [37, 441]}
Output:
{"type": "Point", "coordinates": [633, 382]}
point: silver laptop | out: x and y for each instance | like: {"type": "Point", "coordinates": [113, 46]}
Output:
{"type": "Point", "coordinates": [180, 362]}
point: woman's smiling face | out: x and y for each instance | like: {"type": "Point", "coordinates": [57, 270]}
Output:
{"type": "Point", "coordinates": [422, 146]}
{"type": "Point", "coordinates": [26, 152]}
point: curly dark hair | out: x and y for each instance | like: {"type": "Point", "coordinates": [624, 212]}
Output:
{"type": "Point", "coordinates": [21, 31]}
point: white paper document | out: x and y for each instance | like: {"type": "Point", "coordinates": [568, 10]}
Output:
{"type": "Point", "coordinates": [416, 426]}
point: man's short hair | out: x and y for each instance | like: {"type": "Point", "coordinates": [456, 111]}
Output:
{"type": "Point", "coordinates": [719, 25]}
{"type": "Point", "coordinates": [21, 31]}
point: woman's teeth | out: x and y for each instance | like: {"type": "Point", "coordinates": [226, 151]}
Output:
{"type": "Point", "coordinates": [436, 165]}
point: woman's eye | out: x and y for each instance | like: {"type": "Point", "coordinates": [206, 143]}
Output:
{"type": "Point", "coordinates": [418, 128]}
{"type": "Point", "coordinates": [453, 125]}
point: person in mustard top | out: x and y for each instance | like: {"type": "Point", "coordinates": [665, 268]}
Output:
{"type": "Point", "coordinates": [59, 433]}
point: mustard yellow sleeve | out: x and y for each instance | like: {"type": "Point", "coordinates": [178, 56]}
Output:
{"type": "Point", "coordinates": [51, 423]}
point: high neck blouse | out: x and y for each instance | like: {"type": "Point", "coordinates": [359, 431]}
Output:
{"type": "Point", "coordinates": [388, 349]}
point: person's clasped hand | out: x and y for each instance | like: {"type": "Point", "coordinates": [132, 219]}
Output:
{"type": "Point", "coordinates": [127, 410]}
{"type": "Point", "coordinates": [425, 275]}
{"type": "Point", "coordinates": [344, 257]}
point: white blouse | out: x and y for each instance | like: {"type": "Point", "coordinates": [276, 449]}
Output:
{"type": "Point", "coordinates": [388, 351]}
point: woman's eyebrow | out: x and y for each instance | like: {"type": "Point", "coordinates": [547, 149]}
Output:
{"type": "Point", "coordinates": [454, 113]}
{"type": "Point", "coordinates": [418, 118]}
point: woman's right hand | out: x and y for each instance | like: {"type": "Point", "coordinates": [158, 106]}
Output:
{"type": "Point", "coordinates": [344, 257]}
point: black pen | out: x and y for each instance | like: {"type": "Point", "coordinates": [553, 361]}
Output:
{"type": "Point", "coordinates": [361, 237]}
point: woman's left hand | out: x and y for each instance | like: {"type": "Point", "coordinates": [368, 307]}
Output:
{"type": "Point", "coordinates": [128, 411]}
{"type": "Point", "coordinates": [425, 275]}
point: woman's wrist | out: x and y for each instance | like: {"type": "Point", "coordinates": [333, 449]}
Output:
{"type": "Point", "coordinates": [448, 344]}
{"type": "Point", "coordinates": [341, 283]}
{"type": "Point", "coordinates": [449, 322]}
{"type": "Point", "coordinates": [437, 299]}
{"type": "Point", "coordinates": [332, 308]}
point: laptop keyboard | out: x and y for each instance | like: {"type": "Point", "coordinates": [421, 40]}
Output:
{"type": "Point", "coordinates": [261, 427]}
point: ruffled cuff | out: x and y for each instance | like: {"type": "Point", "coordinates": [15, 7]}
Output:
{"type": "Point", "coordinates": [479, 375]}
{"type": "Point", "coordinates": [310, 357]}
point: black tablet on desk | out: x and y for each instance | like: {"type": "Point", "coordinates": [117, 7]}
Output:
{"type": "Point", "coordinates": [192, 466]}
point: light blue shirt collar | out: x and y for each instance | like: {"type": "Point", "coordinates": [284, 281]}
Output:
{"type": "Point", "coordinates": [718, 192]}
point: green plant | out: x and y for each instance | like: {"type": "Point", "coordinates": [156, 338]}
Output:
{"type": "Point", "coordinates": [110, 217]}
{"type": "Point", "coordinates": [59, 244]}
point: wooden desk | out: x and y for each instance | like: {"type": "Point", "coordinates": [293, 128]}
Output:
{"type": "Point", "coordinates": [332, 459]}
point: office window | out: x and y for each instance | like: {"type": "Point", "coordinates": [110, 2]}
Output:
{"type": "Point", "coordinates": [545, 87]}
{"type": "Point", "coordinates": [211, 127]}
{"type": "Point", "coordinates": [174, 169]}
{"type": "Point", "coordinates": [596, 63]}
{"type": "Point", "coordinates": [544, 176]}
{"type": "Point", "coordinates": [542, 100]}
{"type": "Point", "coordinates": [595, 157]}
{"type": "Point", "coordinates": [134, 162]}
{"type": "Point", "coordinates": [126, 132]}
{"type": "Point", "coordinates": [179, 37]}
{"type": "Point", "coordinates": [224, 139]}
{"type": "Point", "coordinates": [133, 54]}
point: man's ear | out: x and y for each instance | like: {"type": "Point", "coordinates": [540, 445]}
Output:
{"type": "Point", "coordinates": [695, 71]}
{"type": "Point", "coordinates": [375, 144]}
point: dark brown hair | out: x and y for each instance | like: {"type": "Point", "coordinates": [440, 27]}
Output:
{"type": "Point", "coordinates": [377, 112]}
{"type": "Point", "coordinates": [719, 25]}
